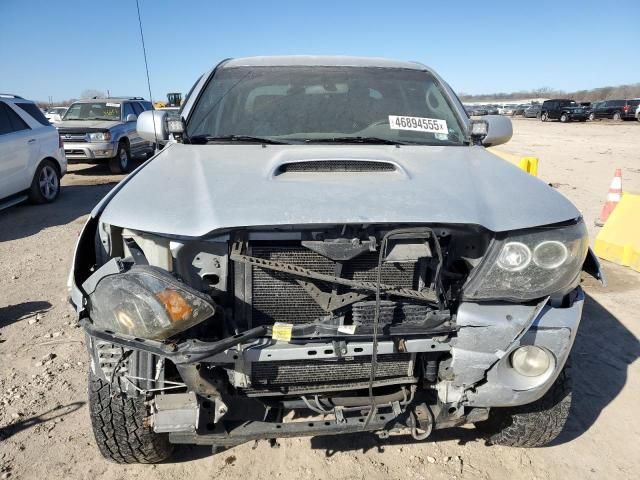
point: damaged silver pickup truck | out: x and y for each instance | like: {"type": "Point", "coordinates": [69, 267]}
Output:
{"type": "Point", "coordinates": [326, 239]}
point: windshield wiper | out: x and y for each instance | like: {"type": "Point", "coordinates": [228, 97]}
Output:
{"type": "Point", "coordinates": [368, 140]}
{"type": "Point", "coordinates": [203, 139]}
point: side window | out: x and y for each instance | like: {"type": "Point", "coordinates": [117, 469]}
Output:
{"type": "Point", "coordinates": [33, 110]}
{"type": "Point", "coordinates": [127, 109]}
{"type": "Point", "coordinates": [16, 122]}
{"type": "Point", "coordinates": [5, 124]}
{"type": "Point", "coordinates": [137, 108]}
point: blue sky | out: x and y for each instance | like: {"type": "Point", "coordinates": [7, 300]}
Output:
{"type": "Point", "coordinates": [63, 47]}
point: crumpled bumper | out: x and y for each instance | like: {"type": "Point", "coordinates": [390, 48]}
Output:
{"type": "Point", "coordinates": [480, 374]}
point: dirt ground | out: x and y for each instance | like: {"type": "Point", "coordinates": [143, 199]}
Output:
{"type": "Point", "coordinates": [44, 421]}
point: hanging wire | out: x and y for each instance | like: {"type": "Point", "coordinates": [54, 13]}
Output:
{"type": "Point", "coordinates": [146, 66]}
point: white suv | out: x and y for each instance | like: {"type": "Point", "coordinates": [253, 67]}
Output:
{"type": "Point", "coordinates": [32, 159]}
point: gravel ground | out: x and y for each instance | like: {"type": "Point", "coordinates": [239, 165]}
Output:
{"type": "Point", "coordinates": [44, 422]}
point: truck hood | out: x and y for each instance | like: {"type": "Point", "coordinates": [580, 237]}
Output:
{"type": "Point", "coordinates": [88, 125]}
{"type": "Point", "coordinates": [192, 190]}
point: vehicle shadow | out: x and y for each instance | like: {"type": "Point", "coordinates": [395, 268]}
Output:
{"type": "Point", "coordinates": [21, 311]}
{"type": "Point", "coordinates": [74, 202]}
{"type": "Point", "coordinates": [366, 441]}
{"type": "Point", "coordinates": [602, 353]}
{"type": "Point", "coordinates": [101, 168]}
{"type": "Point", "coordinates": [60, 411]}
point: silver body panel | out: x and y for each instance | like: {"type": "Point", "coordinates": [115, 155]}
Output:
{"type": "Point", "coordinates": [192, 190]}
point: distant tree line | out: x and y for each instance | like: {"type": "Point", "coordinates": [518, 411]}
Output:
{"type": "Point", "coordinates": [88, 93]}
{"type": "Point", "coordinates": [603, 93]}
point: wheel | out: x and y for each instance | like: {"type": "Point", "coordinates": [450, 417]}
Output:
{"type": "Point", "coordinates": [535, 424]}
{"type": "Point", "coordinates": [120, 163]}
{"type": "Point", "coordinates": [120, 428]}
{"type": "Point", "coordinates": [544, 117]}
{"type": "Point", "coordinates": [617, 117]}
{"type": "Point", "coordinates": [592, 116]}
{"type": "Point", "coordinates": [45, 186]}
{"type": "Point", "coordinates": [564, 118]}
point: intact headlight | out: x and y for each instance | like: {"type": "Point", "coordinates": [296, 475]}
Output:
{"type": "Point", "coordinates": [147, 302]}
{"type": "Point", "coordinates": [100, 137]}
{"type": "Point", "coordinates": [530, 265]}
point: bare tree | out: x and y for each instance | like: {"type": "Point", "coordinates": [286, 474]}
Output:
{"type": "Point", "coordinates": [92, 92]}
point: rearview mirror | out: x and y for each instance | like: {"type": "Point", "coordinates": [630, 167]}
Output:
{"type": "Point", "coordinates": [499, 130]}
{"type": "Point", "coordinates": [152, 123]}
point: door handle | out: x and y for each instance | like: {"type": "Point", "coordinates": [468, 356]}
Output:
{"type": "Point", "coordinates": [33, 140]}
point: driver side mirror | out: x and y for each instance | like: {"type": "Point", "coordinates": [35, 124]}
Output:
{"type": "Point", "coordinates": [132, 117]}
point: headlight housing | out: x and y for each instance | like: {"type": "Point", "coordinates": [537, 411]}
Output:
{"type": "Point", "coordinates": [530, 264]}
{"type": "Point", "coordinates": [100, 137]}
{"type": "Point", "coordinates": [147, 302]}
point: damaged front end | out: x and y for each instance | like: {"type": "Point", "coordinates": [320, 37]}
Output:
{"type": "Point", "coordinates": [370, 327]}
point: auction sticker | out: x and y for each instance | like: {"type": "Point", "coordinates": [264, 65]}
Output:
{"type": "Point", "coordinates": [113, 104]}
{"type": "Point", "coordinates": [418, 124]}
{"type": "Point", "coordinates": [282, 331]}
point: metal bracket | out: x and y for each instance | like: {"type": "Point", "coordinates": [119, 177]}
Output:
{"type": "Point", "coordinates": [331, 301]}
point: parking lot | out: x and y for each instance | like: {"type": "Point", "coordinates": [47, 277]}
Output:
{"type": "Point", "coordinates": [44, 422]}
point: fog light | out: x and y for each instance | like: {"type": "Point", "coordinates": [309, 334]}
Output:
{"type": "Point", "coordinates": [530, 361]}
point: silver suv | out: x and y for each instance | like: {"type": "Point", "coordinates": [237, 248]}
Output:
{"type": "Point", "coordinates": [336, 242]}
{"type": "Point", "coordinates": [104, 129]}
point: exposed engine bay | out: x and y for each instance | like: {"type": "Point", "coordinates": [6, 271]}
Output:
{"type": "Point", "coordinates": [356, 324]}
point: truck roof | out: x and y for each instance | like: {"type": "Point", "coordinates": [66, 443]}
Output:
{"type": "Point", "coordinates": [324, 61]}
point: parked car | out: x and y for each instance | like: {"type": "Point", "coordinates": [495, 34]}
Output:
{"type": "Point", "coordinates": [476, 110]}
{"type": "Point", "coordinates": [492, 109]}
{"type": "Point", "coordinates": [519, 109]}
{"type": "Point", "coordinates": [55, 114]}
{"type": "Point", "coordinates": [104, 130]}
{"type": "Point", "coordinates": [32, 159]}
{"type": "Point", "coordinates": [562, 109]}
{"type": "Point", "coordinates": [532, 111]}
{"type": "Point", "coordinates": [294, 261]}
{"type": "Point", "coordinates": [506, 109]}
{"type": "Point", "coordinates": [615, 110]}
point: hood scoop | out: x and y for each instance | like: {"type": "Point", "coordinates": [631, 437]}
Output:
{"type": "Point", "coordinates": [338, 166]}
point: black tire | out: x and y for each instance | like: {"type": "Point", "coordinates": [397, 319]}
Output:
{"type": "Point", "coordinates": [617, 117]}
{"type": "Point", "coordinates": [564, 118]}
{"type": "Point", "coordinates": [122, 161]}
{"type": "Point", "coordinates": [532, 425]}
{"type": "Point", "coordinates": [120, 429]}
{"type": "Point", "coordinates": [544, 117]}
{"type": "Point", "coordinates": [45, 186]}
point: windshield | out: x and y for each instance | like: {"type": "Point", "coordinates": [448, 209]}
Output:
{"type": "Point", "coordinates": [93, 111]}
{"type": "Point", "coordinates": [307, 104]}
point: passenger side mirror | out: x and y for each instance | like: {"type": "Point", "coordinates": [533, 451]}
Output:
{"type": "Point", "coordinates": [152, 123]}
{"type": "Point", "coordinates": [499, 130]}
{"type": "Point", "coordinates": [132, 117]}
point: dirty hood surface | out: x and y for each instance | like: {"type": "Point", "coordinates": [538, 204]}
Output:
{"type": "Point", "coordinates": [77, 125]}
{"type": "Point", "coordinates": [192, 190]}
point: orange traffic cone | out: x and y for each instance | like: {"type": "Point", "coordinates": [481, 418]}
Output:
{"type": "Point", "coordinates": [613, 197]}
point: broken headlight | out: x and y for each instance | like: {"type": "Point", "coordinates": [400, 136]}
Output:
{"type": "Point", "coordinates": [530, 265]}
{"type": "Point", "coordinates": [147, 302]}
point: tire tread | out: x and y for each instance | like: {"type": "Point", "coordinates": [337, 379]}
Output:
{"type": "Point", "coordinates": [119, 429]}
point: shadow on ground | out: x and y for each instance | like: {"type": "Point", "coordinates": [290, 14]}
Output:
{"type": "Point", "coordinates": [21, 311]}
{"type": "Point", "coordinates": [61, 411]}
{"type": "Point", "coordinates": [602, 353]}
{"type": "Point", "coordinates": [75, 201]}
